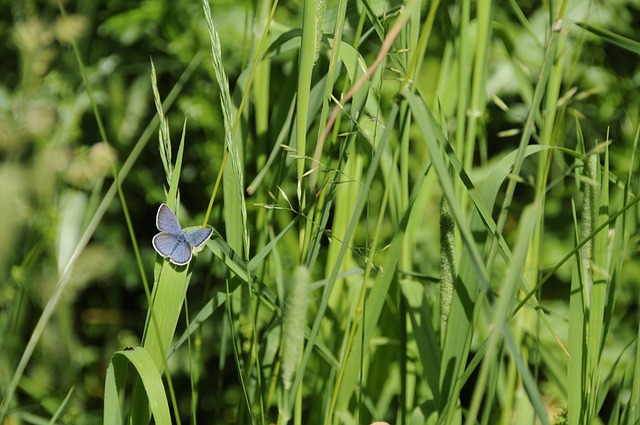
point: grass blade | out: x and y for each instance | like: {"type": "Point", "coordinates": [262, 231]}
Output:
{"type": "Point", "coordinates": [611, 37]}
{"type": "Point", "coordinates": [150, 377]}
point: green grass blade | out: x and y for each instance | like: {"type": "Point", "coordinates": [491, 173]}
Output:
{"type": "Point", "coordinates": [432, 134]}
{"type": "Point", "coordinates": [305, 68]}
{"type": "Point", "coordinates": [239, 267]}
{"type": "Point", "coordinates": [64, 403]}
{"type": "Point", "coordinates": [150, 377]}
{"type": "Point", "coordinates": [634, 402]}
{"type": "Point", "coordinates": [611, 37]}
{"type": "Point", "coordinates": [167, 298]}
{"type": "Point", "coordinates": [601, 275]}
{"type": "Point", "coordinates": [577, 321]}
{"type": "Point", "coordinates": [260, 256]}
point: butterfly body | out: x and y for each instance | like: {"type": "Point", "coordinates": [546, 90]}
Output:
{"type": "Point", "coordinates": [174, 243]}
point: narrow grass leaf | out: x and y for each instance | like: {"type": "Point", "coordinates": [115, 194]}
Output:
{"type": "Point", "coordinates": [239, 267]}
{"type": "Point", "coordinates": [205, 312]}
{"type": "Point", "coordinates": [577, 324]}
{"type": "Point", "coordinates": [634, 402]}
{"type": "Point", "coordinates": [601, 280]}
{"type": "Point", "coordinates": [260, 256]}
{"type": "Point", "coordinates": [305, 68]}
{"type": "Point", "coordinates": [617, 39]}
{"type": "Point", "coordinates": [60, 409]}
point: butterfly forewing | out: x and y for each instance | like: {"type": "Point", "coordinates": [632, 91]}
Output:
{"type": "Point", "coordinates": [166, 221]}
{"type": "Point", "coordinates": [181, 254]}
{"type": "Point", "coordinates": [199, 236]}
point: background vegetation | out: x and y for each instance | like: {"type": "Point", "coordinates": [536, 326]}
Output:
{"type": "Point", "coordinates": [424, 212]}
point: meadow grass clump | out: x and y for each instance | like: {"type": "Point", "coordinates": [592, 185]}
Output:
{"type": "Point", "coordinates": [422, 214]}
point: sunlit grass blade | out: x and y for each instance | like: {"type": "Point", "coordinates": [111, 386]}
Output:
{"type": "Point", "coordinates": [305, 68]}
{"type": "Point", "coordinates": [602, 280]}
{"type": "Point", "coordinates": [471, 271]}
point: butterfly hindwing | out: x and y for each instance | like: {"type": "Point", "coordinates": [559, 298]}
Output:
{"type": "Point", "coordinates": [181, 254]}
{"type": "Point", "coordinates": [165, 243]}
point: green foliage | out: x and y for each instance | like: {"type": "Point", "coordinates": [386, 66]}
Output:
{"type": "Point", "coordinates": [423, 212]}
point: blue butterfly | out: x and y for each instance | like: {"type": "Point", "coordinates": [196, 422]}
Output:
{"type": "Point", "coordinates": [174, 243]}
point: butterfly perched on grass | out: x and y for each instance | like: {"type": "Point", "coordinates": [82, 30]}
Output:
{"type": "Point", "coordinates": [174, 243]}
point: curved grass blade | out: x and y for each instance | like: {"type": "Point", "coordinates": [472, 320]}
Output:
{"type": "Point", "coordinates": [151, 380]}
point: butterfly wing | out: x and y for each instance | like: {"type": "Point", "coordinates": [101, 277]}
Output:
{"type": "Point", "coordinates": [181, 254]}
{"type": "Point", "coordinates": [165, 243]}
{"type": "Point", "coordinates": [172, 242]}
{"type": "Point", "coordinates": [199, 236]}
{"type": "Point", "coordinates": [166, 221]}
